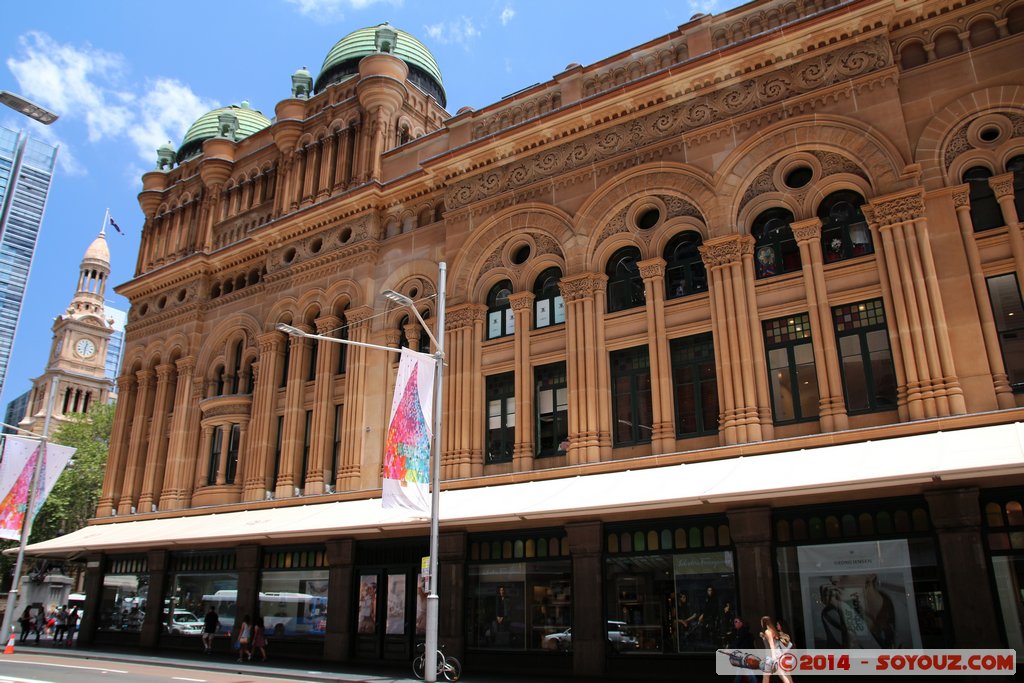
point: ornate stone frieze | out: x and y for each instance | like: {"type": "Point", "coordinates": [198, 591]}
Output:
{"type": "Point", "coordinates": [677, 206]}
{"type": "Point", "coordinates": [764, 182]}
{"type": "Point", "coordinates": [546, 244]}
{"type": "Point", "coordinates": [958, 144]}
{"type": "Point", "coordinates": [616, 225]}
{"type": "Point", "coordinates": [582, 286]}
{"type": "Point", "coordinates": [1018, 124]}
{"type": "Point", "coordinates": [518, 113]}
{"type": "Point", "coordinates": [726, 250]}
{"type": "Point", "coordinates": [898, 209]}
{"type": "Point", "coordinates": [654, 267]}
{"type": "Point", "coordinates": [494, 260]}
{"type": "Point", "coordinates": [458, 317]}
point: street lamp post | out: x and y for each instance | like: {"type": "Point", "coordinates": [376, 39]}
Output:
{"type": "Point", "coordinates": [29, 109]}
{"type": "Point", "coordinates": [430, 654]}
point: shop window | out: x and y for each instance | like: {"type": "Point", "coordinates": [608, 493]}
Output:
{"type": "Point", "coordinates": [667, 597]}
{"type": "Point", "coordinates": [684, 268]}
{"type": "Point", "coordinates": [625, 285]}
{"type": "Point", "coordinates": [501, 417]}
{"type": "Point", "coordinates": [122, 603]}
{"type": "Point", "coordinates": [548, 305]}
{"type": "Point", "coordinates": [860, 588]}
{"type": "Point", "coordinates": [985, 212]}
{"type": "Point", "coordinates": [552, 405]}
{"type": "Point", "coordinates": [293, 594]}
{"type": "Point", "coordinates": [1003, 521]}
{"type": "Point", "coordinates": [775, 249]}
{"type": "Point", "coordinates": [196, 582]}
{"type": "Point", "coordinates": [869, 378]}
{"type": "Point", "coordinates": [694, 385]}
{"type": "Point", "coordinates": [792, 375]}
{"type": "Point", "coordinates": [1008, 309]}
{"type": "Point", "coordinates": [632, 409]}
{"type": "Point", "coordinates": [500, 321]}
{"type": "Point", "coordinates": [520, 605]}
{"type": "Point", "coordinates": [844, 231]}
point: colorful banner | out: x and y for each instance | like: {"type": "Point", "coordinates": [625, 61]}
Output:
{"type": "Point", "coordinates": [407, 451]}
{"type": "Point", "coordinates": [19, 460]}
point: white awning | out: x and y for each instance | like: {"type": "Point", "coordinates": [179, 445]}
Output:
{"type": "Point", "coordinates": [981, 453]}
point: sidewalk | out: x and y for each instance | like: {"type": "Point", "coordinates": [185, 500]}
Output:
{"type": "Point", "coordinates": [286, 670]}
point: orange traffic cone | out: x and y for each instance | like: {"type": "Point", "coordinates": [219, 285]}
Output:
{"type": "Point", "coordinates": [9, 650]}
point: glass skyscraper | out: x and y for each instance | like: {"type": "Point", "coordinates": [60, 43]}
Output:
{"type": "Point", "coordinates": [26, 169]}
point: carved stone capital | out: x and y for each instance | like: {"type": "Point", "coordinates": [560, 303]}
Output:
{"type": "Point", "coordinates": [358, 316]}
{"type": "Point", "coordinates": [185, 365]}
{"type": "Point", "coordinates": [582, 286]}
{"type": "Point", "coordinates": [145, 378]}
{"type": "Point", "coordinates": [125, 383]}
{"type": "Point", "coordinates": [961, 198]}
{"type": "Point", "coordinates": [327, 324]}
{"type": "Point", "coordinates": [725, 250]}
{"type": "Point", "coordinates": [521, 301]}
{"type": "Point", "coordinates": [465, 315]}
{"type": "Point", "coordinates": [650, 268]}
{"type": "Point", "coordinates": [269, 342]}
{"type": "Point", "coordinates": [392, 337]}
{"type": "Point", "coordinates": [164, 372]}
{"type": "Point", "coordinates": [897, 209]}
{"type": "Point", "coordinates": [1002, 185]}
{"type": "Point", "coordinates": [808, 230]}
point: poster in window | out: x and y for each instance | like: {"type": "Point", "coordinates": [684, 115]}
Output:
{"type": "Point", "coordinates": [494, 324]}
{"type": "Point", "coordinates": [858, 595]}
{"type": "Point", "coordinates": [543, 313]}
{"type": "Point", "coordinates": [559, 310]}
{"type": "Point", "coordinates": [395, 625]}
{"type": "Point", "coordinates": [368, 603]}
{"type": "Point", "coordinates": [510, 321]}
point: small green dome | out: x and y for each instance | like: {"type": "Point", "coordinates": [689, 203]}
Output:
{"type": "Point", "coordinates": [343, 60]}
{"type": "Point", "coordinates": [208, 126]}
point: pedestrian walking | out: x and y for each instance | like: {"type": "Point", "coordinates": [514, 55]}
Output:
{"type": "Point", "coordinates": [211, 622]}
{"type": "Point", "coordinates": [60, 626]}
{"type": "Point", "coordinates": [244, 636]}
{"type": "Point", "coordinates": [72, 625]}
{"type": "Point", "coordinates": [25, 620]}
{"type": "Point", "coordinates": [259, 640]}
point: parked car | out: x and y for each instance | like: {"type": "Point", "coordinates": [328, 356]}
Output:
{"type": "Point", "coordinates": [620, 638]}
{"type": "Point", "coordinates": [184, 623]}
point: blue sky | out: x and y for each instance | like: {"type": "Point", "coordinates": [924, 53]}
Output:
{"type": "Point", "coordinates": [125, 76]}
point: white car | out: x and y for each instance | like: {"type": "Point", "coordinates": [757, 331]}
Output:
{"type": "Point", "coordinates": [561, 641]}
{"type": "Point", "coordinates": [184, 623]}
{"type": "Point", "coordinates": [619, 637]}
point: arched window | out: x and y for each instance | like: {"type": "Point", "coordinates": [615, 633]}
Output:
{"type": "Point", "coordinates": [844, 232]}
{"type": "Point", "coordinates": [985, 213]}
{"type": "Point", "coordinates": [236, 369]}
{"type": "Point", "coordinates": [625, 286]}
{"type": "Point", "coordinates": [775, 250]}
{"type": "Point", "coordinates": [1016, 166]}
{"type": "Point", "coordinates": [684, 268]}
{"type": "Point", "coordinates": [342, 333]}
{"type": "Point", "coordinates": [424, 342]}
{"type": "Point", "coordinates": [403, 339]}
{"type": "Point", "coordinates": [500, 322]}
{"type": "Point", "coordinates": [548, 306]}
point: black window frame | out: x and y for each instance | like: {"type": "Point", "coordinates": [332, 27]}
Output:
{"type": "Point", "coordinates": [551, 378]}
{"type": "Point", "coordinates": [544, 290]}
{"type": "Point", "coordinates": [986, 213]}
{"type": "Point", "coordinates": [842, 223]}
{"type": "Point", "coordinates": [1014, 373]}
{"type": "Point", "coordinates": [633, 365]}
{"type": "Point", "coordinates": [500, 388]}
{"type": "Point", "coordinates": [625, 286]}
{"type": "Point", "coordinates": [695, 353]}
{"type": "Point", "coordinates": [862, 319]}
{"type": "Point", "coordinates": [214, 460]}
{"type": "Point", "coordinates": [775, 248]}
{"type": "Point", "coordinates": [797, 334]}
{"type": "Point", "coordinates": [498, 304]}
{"type": "Point", "coordinates": [685, 273]}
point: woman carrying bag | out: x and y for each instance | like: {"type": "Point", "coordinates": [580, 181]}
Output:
{"type": "Point", "coordinates": [244, 636]}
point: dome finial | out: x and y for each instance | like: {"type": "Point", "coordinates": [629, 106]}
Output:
{"type": "Point", "coordinates": [385, 38]}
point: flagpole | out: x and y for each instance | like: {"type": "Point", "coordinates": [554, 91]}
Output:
{"type": "Point", "coordinates": [26, 522]}
{"type": "Point", "coordinates": [106, 218]}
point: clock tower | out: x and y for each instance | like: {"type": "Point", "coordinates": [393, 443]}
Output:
{"type": "Point", "coordinates": [77, 361]}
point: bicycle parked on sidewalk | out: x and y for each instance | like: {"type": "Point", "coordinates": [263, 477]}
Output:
{"type": "Point", "coordinates": [447, 665]}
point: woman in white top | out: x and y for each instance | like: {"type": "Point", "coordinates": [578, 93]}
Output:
{"type": "Point", "coordinates": [772, 641]}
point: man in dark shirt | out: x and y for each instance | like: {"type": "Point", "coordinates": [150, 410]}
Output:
{"type": "Point", "coordinates": [211, 622]}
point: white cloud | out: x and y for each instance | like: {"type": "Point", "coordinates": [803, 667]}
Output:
{"type": "Point", "coordinates": [507, 14]}
{"type": "Point", "coordinates": [325, 11]}
{"type": "Point", "coordinates": [460, 31]}
{"type": "Point", "coordinates": [86, 84]}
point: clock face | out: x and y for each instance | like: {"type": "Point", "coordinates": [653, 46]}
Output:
{"type": "Point", "coordinates": [85, 348]}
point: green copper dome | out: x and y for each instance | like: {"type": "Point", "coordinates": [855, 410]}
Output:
{"type": "Point", "coordinates": [246, 122]}
{"type": "Point", "coordinates": [343, 60]}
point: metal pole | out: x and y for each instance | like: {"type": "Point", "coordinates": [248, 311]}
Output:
{"type": "Point", "coordinates": [26, 523]}
{"type": "Point", "coordinates": [430, 655]}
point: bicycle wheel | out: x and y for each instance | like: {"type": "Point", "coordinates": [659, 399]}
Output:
{"type": "Point", "coordinates": [418, 668]}
{"type": "Point", "coordinates": [452, 668]}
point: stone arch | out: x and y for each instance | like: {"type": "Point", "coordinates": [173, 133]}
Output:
{"type": "Point", "coordinates": [826, 186]}
{"type": "Point", "coordinates": [936, 134]}
{"type": "Point", "coordinates": [283, 311]}
{"type": "Point", "coordinates": [425, 273]}
{"type": "Point", "coordinates": [876, 155]}
{"type": "Point", "coordinates": [674, 227]}
{"type": "Point", "coordinates": [236, 327]}
{"type": "Point", "coordinates": [533, 217]}
{"type": "Point", "coordinates": [342, 295]}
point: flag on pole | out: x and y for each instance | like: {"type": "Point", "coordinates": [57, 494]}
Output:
{"type": "Point", "coordinates": [19, 460]}
{"type": "Point", "coordinates": [116, 226]}
{"type": "Point", "coordinates": [407, 451]}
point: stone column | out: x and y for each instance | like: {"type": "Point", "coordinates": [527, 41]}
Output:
{"type": "Point", "coordinates": [113, 476]}
{"type": "Point", "coordinates": [739, 354]}
{"type": "Point", "coordinates": [259, 452]}
{"type": "Point", "coordinates": [463, 393]}
{"type": "Point", "coordinates": [157, 454]}
{"type": "Point", "coordinates": [247, 562]}
{"type": "Point", "coordinates": [323, 408]}
{"type": "Point", "coordinates": [298, 180]}
{"type": "Point", "coordinates": [180, 458]}
{"type": "Point", "coordinates": [152, 623]}
{"type": "Point", "coordinates": [1002, 187]}
{"type": "Point", "coordinates": [451, 590]}
{"type": "Point", "coordinates": [584, 338]}
{"type": "Point", "coordinates": [989, 333]}
{"type": "Point", "coordinates": [956, 516]}
{"type": "Point", "coordinates": [663, 438]}
{"type": "Point", "coordinates": [93, 591]}
{"type": "Point", "coordinates": [288, 475]}
{"type": "Point", "coordinates": [340, 589]}
{"type": "Point", "coordinates": [342, 150]}
{"type": "Point", "coordinates": [589, 634]}
{"type": "Point", "coordinates": [284, 174]}
{"type": "Point", "coordinates": [913, 283]}
{"type": "Point", "coordinates": [135, 465]}
{"type": "Point", "coordinates": [200, 475]}
{"type": "Point", "coordinates": [524, 449]}
{"type": "Point", "coordinates": [326, 157]}
{"type": "Point", "coordinates": [222, 457]}
{"type": "Point", "coordinates": [751, 532]}
{"type": "Point", "coordinates": [353, 435]}
{"type": "Point", "coordinates": [831, 402]}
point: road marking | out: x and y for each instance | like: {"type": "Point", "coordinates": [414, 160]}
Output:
{"type": "Point", "coordinates": [36, 662]}
{"type": "Point", "coordinates": [180, 678]}
{"type": "Point", "coordinates": [5, 679]}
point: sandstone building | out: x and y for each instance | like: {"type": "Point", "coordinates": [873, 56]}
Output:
{"type": "Point", "coordinates": [727, 314]}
